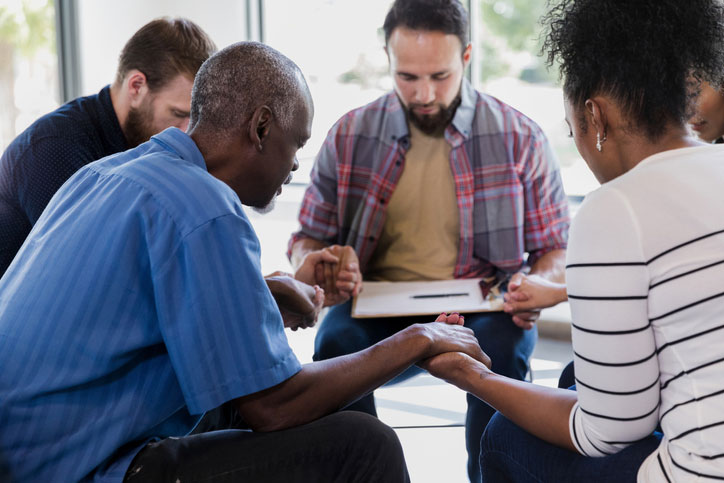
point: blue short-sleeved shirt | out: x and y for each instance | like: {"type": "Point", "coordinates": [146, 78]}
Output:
{"type": "Point", "coordinates": [136, 304]}
{"type": "Point", "coordinates": [45, 155]}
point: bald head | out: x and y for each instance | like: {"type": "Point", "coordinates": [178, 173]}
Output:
{"type": "Point", "coordinates": [235, 81]}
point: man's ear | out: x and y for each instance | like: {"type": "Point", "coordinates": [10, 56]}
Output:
{"type": "Point", "coordinates": [136, 86]}
{"type": "Point", "coordinates": [260, 126]}
{"type": "Point", "coordinates": [467, 52]}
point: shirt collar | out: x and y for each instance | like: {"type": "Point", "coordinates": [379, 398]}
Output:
{"type": "Point", "coordinates": [175, 140]}
{"type": "Point", "coordinates": [462, 121]}
{"type": "Point", "coordinates": [112, 128]}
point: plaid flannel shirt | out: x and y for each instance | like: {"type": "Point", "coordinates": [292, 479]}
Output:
{"type": "Point", "coordinates": [510, 196]}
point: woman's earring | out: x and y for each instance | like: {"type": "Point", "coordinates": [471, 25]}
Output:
{"type": "Point", "coordinates": [600, 141]}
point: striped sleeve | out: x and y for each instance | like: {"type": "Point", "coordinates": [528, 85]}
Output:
{"type": "Point", "coordinates": [615, 356]}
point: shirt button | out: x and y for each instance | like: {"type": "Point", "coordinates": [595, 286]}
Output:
{"type": "Point", "coordinates": [382, 201]}
{"type": "Point", "coordinates": [398, 163]}
{"type": "Point", "coordinates": [371, 238]}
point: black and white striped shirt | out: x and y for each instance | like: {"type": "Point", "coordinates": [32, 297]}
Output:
{"type": "Point", "coordinates": [645, 275]}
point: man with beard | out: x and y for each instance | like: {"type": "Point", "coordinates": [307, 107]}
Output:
{"type": "Point", "coordinates": [152, 91]}
{"type": "Point", "coordinates": [433, 181]}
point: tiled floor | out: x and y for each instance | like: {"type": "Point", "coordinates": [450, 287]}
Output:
{"type": "Point", "coordinates": [427, 414]}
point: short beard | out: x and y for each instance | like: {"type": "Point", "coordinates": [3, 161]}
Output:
{"type": "Point", "coordinates": [434, 125]}
{"type": "Point", "coordinates": [263, 210]}
{"type": "Point", "coordinates": [138, 126]}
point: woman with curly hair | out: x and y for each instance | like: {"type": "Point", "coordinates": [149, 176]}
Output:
{"type": "Point", "coordinates": [645, 262]}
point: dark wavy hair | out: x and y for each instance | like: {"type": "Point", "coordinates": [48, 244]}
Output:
{"type": "Point", "coordinates": [648, 55]}
{"type": "Point", "coordinates": [446, 16]}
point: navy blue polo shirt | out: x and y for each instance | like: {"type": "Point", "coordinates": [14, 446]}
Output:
{"type": "Point", "coordinates": [45, 155]}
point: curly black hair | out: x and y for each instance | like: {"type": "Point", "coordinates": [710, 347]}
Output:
{"type": "Point", "coordinates": [447, 16]}
{"type": "Point", "coordinates": [649, 55]}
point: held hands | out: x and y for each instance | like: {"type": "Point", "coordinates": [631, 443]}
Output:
{"type": "Point", "coordinates": [336, 270]}
{"type": "Point", "coordinates": [450, 365]}
{"type": "Point", "coordinates": [528, 294]}
{"type": "Point", "coordinates": [451, 336]}
{"type": "Point", "coordinates": [299, 303]}
{"type": "Point", "coordinates": [453, 366]}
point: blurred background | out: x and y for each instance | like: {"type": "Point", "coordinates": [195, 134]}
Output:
{"type": "Point", "coordinates": [52, 51]}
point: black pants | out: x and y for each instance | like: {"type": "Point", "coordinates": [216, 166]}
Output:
{"type": "Point", "coordinates": [343, 447]}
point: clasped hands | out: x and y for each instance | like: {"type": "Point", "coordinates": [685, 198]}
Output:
{"type": "Point", "coordinates": [452, 365]}
{"type": "Point", "coordinates": [326, 277]}
{"type": "Point", "coordinates": [335, 269]}
{"type": "Point", "coordinates": [529, 293]}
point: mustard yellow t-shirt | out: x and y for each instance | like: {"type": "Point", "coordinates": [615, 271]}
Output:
{"type": "Point", "coordinates": [421, 235]}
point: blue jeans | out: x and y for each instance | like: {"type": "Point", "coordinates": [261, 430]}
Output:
{"type": "Point", "coordinates": [508, 346]}
{"type": "Point", "coordinates": [510, 454]}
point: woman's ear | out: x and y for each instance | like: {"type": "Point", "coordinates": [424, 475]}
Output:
{"type": "Point", "coordinates": [260, 126]}
{"type": "Point", "coordinates": [596, 114]}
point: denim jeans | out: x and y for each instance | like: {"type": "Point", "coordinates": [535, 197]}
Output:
{"type": "Point", "coordinates": [508, 346]}
{"type": "Point", "coordinates": [343, 447]}
{"type": "Point", "coordinates": [510, 454]}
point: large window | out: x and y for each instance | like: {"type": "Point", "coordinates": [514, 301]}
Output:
{"type": "Point", "coordinates": [337, 43]}
{"type": "Point", "coordinates": [508, 66]}
{"type": "Point", "coordinates": [28, 65]}
{"type": "Point", "coordinates": [342, 57]}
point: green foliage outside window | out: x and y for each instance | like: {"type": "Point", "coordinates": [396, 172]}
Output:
{"type": "Point", "coordinates": [511, 28]}
{"type": "Point", "coordinates": [24, 30]}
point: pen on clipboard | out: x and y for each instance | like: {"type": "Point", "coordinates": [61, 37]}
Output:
{"type": "Point", "coordinates": [440, 295]}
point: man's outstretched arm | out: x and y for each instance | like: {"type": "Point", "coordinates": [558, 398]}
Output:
{"type": "Point", "coordinates": [326, 386]}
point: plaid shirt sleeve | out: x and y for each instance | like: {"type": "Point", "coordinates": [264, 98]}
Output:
{"type": "Point", "coordinates": [318, 213]}
{"type": "Point", "coordinates": [546, 215]}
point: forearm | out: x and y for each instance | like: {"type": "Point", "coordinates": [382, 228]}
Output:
{"type": "Point", "coordinates": [323, 387]}
{"type": "Point", "coordinates": [542, 411]}
{"type": "Point", "coordinates": [551, 266]}
{"type": "Point", "coordinates": [302, 247]}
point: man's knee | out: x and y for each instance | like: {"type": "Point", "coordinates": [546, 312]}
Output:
{"type": "Point", "coordinates": [376, 445]}
{"type": "Point", "coordinates": [363, 427]}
